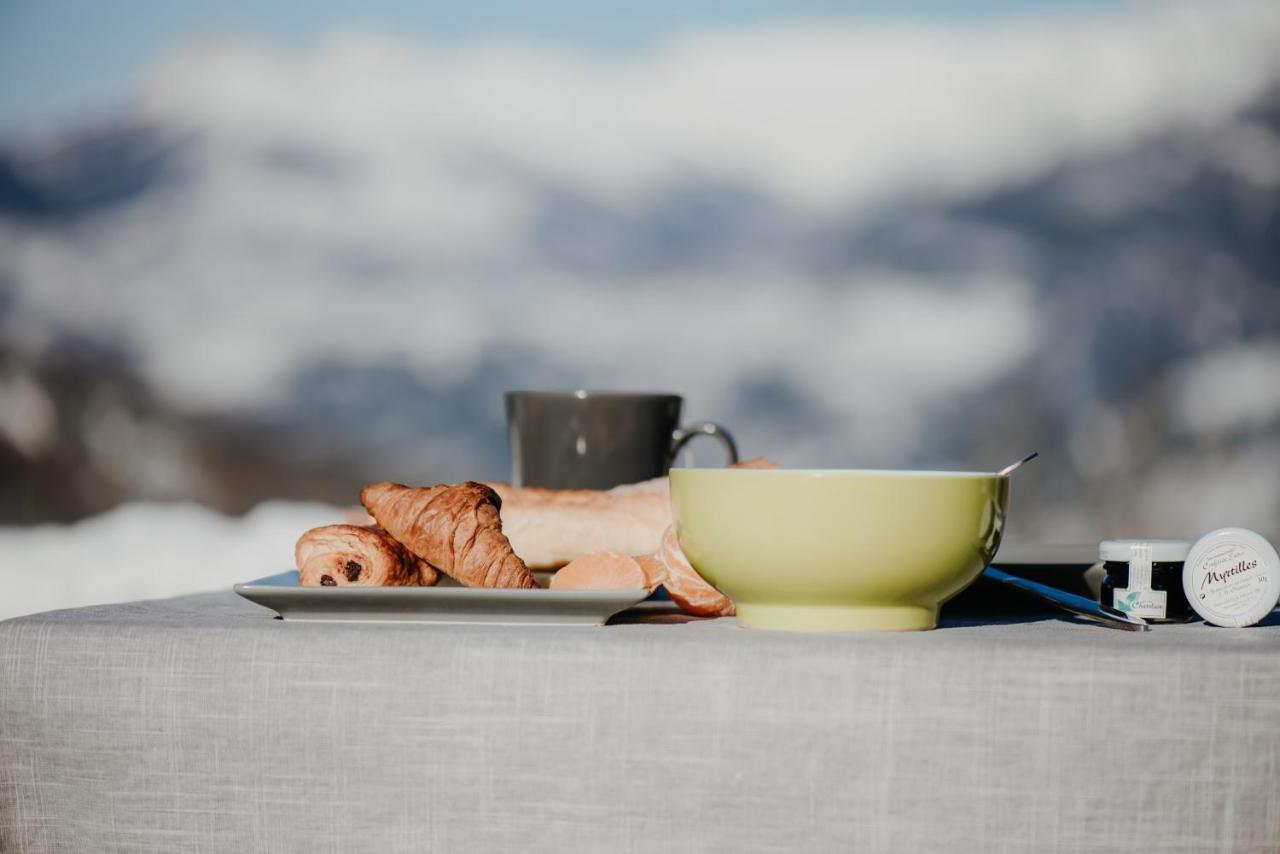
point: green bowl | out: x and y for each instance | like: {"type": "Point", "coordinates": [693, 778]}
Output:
{"type": "Point", "coordinates": [838, 550]}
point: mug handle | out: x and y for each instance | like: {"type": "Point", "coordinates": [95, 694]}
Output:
{"type": "Point", "coordinates": [681, 436]}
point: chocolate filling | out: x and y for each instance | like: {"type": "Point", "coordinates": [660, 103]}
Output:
{"type": "Point", "coordinates": [353, 571]}
{"type": "Point", "coordinates": [327, 581]}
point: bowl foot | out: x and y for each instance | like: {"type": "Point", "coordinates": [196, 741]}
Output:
{"type": "Point", "coordinates": [837, 618]}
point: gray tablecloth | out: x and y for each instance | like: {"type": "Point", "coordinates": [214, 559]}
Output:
{"type": "Point", "coordinates": [203, 724]}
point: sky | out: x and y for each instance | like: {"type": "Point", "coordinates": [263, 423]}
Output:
{"type": "Point", "coordinates": [61, 59]}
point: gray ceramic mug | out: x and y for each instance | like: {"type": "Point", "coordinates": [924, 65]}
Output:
{"type": "Point", "coordinates": [598, 440]}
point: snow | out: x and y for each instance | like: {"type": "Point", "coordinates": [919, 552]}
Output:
{"type": "Point", "coordinates": [147, 551]}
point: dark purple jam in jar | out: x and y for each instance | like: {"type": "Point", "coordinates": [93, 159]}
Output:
{"type": "Point", "coordinates": [1144, 579]}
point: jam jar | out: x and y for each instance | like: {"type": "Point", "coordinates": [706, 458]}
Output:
{"type": "Point", "coordinates": [1144, 579]}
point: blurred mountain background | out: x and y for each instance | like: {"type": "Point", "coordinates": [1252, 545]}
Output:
{"type": "Point", "coordinates": [278, 268]}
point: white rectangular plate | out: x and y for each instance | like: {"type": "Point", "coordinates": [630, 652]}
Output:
{"type": "Point", "coordinates": [442, 604]}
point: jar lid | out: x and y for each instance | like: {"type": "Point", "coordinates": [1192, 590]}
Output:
{"type": "Point", "coordinates": [1232, 577]}
{"type": "Point", "coordinates": [1160, 551]}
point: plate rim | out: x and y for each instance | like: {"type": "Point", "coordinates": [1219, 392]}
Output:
{"type": "Point", "coordinates": [257, 585]}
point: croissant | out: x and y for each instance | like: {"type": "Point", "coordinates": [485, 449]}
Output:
{"type": "Point", "coordinates": [362, 555]}
{"type": "Point", "coordinates": [453, 527]}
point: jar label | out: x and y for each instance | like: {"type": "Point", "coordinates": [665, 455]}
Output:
{"type": "Point", "coordinates": [1138, 598]}
{"type": "Point", "coordinates": [1148, 604]}
{"type": "Point", "coordinates": [1229, 579]}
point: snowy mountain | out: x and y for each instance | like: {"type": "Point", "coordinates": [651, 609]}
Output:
{"type": "Point", "coordinates": [278, 273]}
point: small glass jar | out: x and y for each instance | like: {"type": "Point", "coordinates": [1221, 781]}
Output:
{"type": "Point", "coordinates": [1144, 579]}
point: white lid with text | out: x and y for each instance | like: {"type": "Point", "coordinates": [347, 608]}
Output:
{"type": "Point", "coordinates": [1232, 577]}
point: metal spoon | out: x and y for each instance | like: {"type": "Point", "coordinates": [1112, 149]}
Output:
{"type": "Point", "coordinates": [1079, 606]}
{"type": "Point", "coordinates": [1012, 467]}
